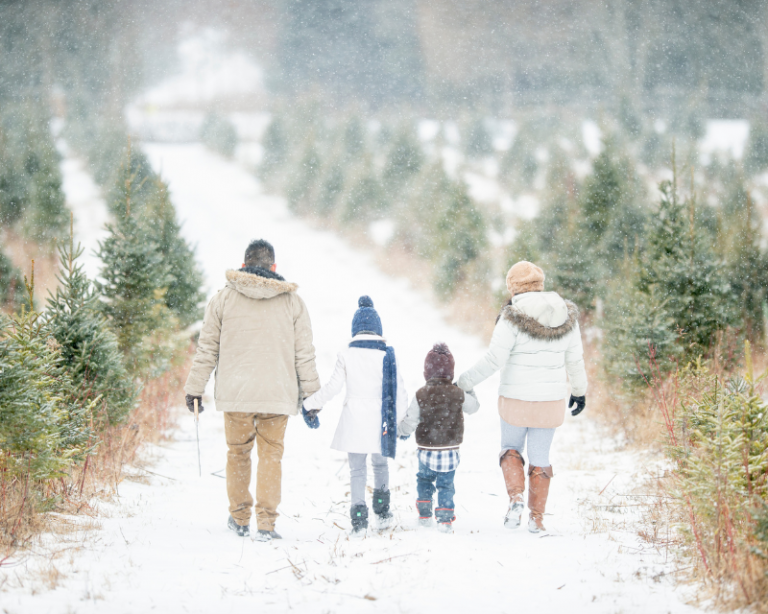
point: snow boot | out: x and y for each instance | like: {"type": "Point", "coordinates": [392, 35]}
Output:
{"type": "Point", "coordinates": [445, 518]}
{"type": "Point", "coordinates": [425, 513]}
{"type": "Point", "coordinates": [381, 508]}
{"type": "Point", "coordinates": [538, 490]}
{"type": "Point", "coordinates": [512, 464]}
{"type": "Point", "coordinates": [265, 536]}
{"type": "Point", "coordinates": [241, 530]}
{"type": "Point", "coordinates": [359, 515]}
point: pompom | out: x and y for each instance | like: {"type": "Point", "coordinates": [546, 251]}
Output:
{"type": "Point", "coordinates": [441, 348]}
{"type": "Point", "coordinates": [365, 301]}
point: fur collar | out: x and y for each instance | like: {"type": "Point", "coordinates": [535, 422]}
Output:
{"type": "Point", "coordinates": [532, 327]}
{"type": "Point", "coordinates": [258, 283]}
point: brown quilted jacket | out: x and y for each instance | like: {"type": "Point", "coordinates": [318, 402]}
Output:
{"type": "Point", "coordinates": [441, 424]}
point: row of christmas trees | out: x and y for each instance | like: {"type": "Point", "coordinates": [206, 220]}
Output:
{"type": "Point", "coordinates": [340, 171]}
{"type": "Point", "coordinates": [76, 367]}
{"type": "Point", "coordinates": [680, 276]}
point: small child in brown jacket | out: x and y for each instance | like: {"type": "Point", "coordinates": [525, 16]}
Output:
{"type": "Point", "coordinates": [437, 415]}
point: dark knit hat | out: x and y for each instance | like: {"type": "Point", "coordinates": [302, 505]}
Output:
{"type": "Point", "coordinates": [366, 318]}
{"type": "Point", "coordinates": [439, 363]}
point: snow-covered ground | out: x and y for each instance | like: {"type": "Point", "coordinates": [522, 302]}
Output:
{"type": "Point", "coordinates": [164, 545]}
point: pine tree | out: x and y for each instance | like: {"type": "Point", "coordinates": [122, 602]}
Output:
{"type": "Point", "coordinates": [518, 166]}
{"type": "Point", "coordinates": [304, 178]}
{"type": "Point", "coordinates": [354, 138]}
{"type": "Point", "coordinates": [682, 265]}
{"type": "Point", "coordinates": [88, 347]}
{"type": "Point", "coordinates": [739, 245]}
{"type": "Point", "coordinates": [404, 161]}
{"type": "Point", "coordinates": [756, 155]}
{"type": "Point", "coordinates": [135, 283]}
{"type": "Point", "coordinates": [184, 294]}
{"type": "Point", "coordinates": [219, 134]}
{"type": "Point", "coordinates": [276, 148]}
{"type": "Point", "coordinates": [133, 184]}
{"type": "Point", "coordinates": [364, 198]}
{"type": "Point", "coordinates": [10, 283]}
{"type": "Point", "coordinates": [613, 221]}
{"type": "Point", "coordinates": [478, 141]}
{"type": "Point", "coordinates": [46, 219]}
{"type": "Point", "coordinates": [460, 240]}
{"type": "Point", "coordinates": [331, 188]}
{"type": "Point", "coordinates": [41, 430]}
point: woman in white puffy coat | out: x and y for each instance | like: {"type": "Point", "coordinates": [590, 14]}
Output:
{"type": "Point", "coordinates": [537, 346]}
{"type": "Point", "coordinates": [376, 401]}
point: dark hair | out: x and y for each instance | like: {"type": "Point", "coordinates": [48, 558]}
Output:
{"type": "Point", "coordinates": [260, 253]}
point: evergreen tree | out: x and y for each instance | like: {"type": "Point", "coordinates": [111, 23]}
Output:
{"type": "Point", "coordinates": [518, 166]}
{"type": "Point", "coordinates": [613, 221]}
{"type": "Point", "coordinates": [756, 155]}
{"type": "Point", "coordinates": [88, 347]}
{"type": "Point", "coordinates": [478, 141]}
{"type": "Point", "coordinates": [354, 138]}
{"type": "Point", "coordinates": [426, 203]}
{"type": "Point", "coordinates": [682, 265]}
{"type": "Point", "coordinates": [10, 283]}
{"type": "Point", "coordinates": [404, 161]}
{"type": "Point", "coordinates": [276, 148]}
{"type": "Point", "coordinates": [331, 188]}
{"type": "Point", "coordinates": [219, 134]}
{"type": "Point", "coordinates": [135, 283]}
{"type": "Point", "coordinates": [364, 198]}
{"type": "Point", "coordinates": [460, 240]}
{"type": "Point", "coordinates": [133, 184]}
{"type": "Point", "coordinates": [47, 216]}
{"type": "Point", "coordinates": [41, 430]}
{"type": "Point", "coordinates": [184, 294]}
{"type": "Point", "coordinates": [304, 178]}
{"type": "Point", "coordinates": [740, 246]}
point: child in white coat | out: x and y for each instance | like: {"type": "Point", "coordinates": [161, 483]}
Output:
{"type": "Point", "coordinates": [375, 403]}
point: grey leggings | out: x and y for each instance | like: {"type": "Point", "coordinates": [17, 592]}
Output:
{"type": "Point", "coordinates": [539, 442]}
{"type": "Point", "coordinates": [358, 474]}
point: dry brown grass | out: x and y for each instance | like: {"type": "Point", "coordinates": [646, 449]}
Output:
{"type": "Point", "coordinates": [29, 508]}
{"type": "Point", "coordinates": [23, 252]}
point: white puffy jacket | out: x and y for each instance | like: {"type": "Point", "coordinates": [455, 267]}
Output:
{"type": "Point", "coordinates": [361, 371]}
{"type": "Point", "coordinates": [536, 342]}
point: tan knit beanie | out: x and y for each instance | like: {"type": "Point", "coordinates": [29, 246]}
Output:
{"type": "Point", "coordinates": [525, 277]}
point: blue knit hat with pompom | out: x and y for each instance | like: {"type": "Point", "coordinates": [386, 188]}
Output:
{"type": "Point", "coordinates": [366, 318]}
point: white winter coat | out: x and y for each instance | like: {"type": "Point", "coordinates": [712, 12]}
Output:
{"type": "Point", "coordinates": [536, 343]}
{"type": "Point", "coordinates": [360, 425]}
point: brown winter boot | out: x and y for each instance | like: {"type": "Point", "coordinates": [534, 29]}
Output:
{"type": "Point", "coordinates": [538, 490]}
{"type": "Point", "coordinates": [512, 464]}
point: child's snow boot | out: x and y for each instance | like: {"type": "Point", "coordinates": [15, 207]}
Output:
{"type": "Point", "coordinates": [512, 464]}
{"type": "Point", "coordinates": [381, 508]}
{"type": "Point", "coordinates": [445, 518]}
{"type": "Point", "coordinates": [241, 530]}
{"type": "Point", "coordinates": [425, 513]}
{"type": "Point", "coordinates": [538, 490]}
{"type": "Point", "coordinates": [359, 515]}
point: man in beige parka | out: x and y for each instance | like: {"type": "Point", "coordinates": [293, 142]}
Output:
{"type": "Point", "coordinates": [257, 335]}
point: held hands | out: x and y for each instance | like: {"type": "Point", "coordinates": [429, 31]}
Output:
{"type": "Point", "coordinates": [576, 404]}
{"type": "Point", "coordinates": [310, 417]}
{"type": "Point", "coordinates": [191, 403]}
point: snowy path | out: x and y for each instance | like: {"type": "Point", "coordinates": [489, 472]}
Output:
{"type": "Point", "coordinates": [164, 547]}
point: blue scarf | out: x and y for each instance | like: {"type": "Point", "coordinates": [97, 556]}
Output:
{"type": "Point", "coordinates": [388, 395]}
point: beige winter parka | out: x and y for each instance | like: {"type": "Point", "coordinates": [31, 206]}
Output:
{"type": "Point", "coordinates": [257, 335]}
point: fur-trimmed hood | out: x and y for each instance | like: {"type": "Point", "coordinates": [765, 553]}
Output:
{"type": "Point", "coordinates": [542, 315]}
{"type": "Point", "coordinates": [259, 283]}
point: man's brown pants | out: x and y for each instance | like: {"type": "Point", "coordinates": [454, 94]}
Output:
{"type": "Point", "coordinates": [268, 431]}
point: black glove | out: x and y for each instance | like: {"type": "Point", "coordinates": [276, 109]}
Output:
{"type": "Point", "coordinates": [578, 403]}
{"type": "Point", "coordinates": [310, 417]}
{"type": "Point", "coordinates": [191, 403]}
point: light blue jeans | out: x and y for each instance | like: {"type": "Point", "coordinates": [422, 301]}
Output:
{"type": "Point", "coordinates": [539, 442]}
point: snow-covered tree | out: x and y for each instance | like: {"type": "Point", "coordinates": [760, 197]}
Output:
{"type": "Point", "coordinates": [478, 140]}
{"type": "Point", "coordinates": [87, 345]}
{"type": "Point", "coordinates": [219, 134]}
{"type": "Point", "coordinates": [184, 295]}
{"type": "Point", "coordinates": [756, 155]}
